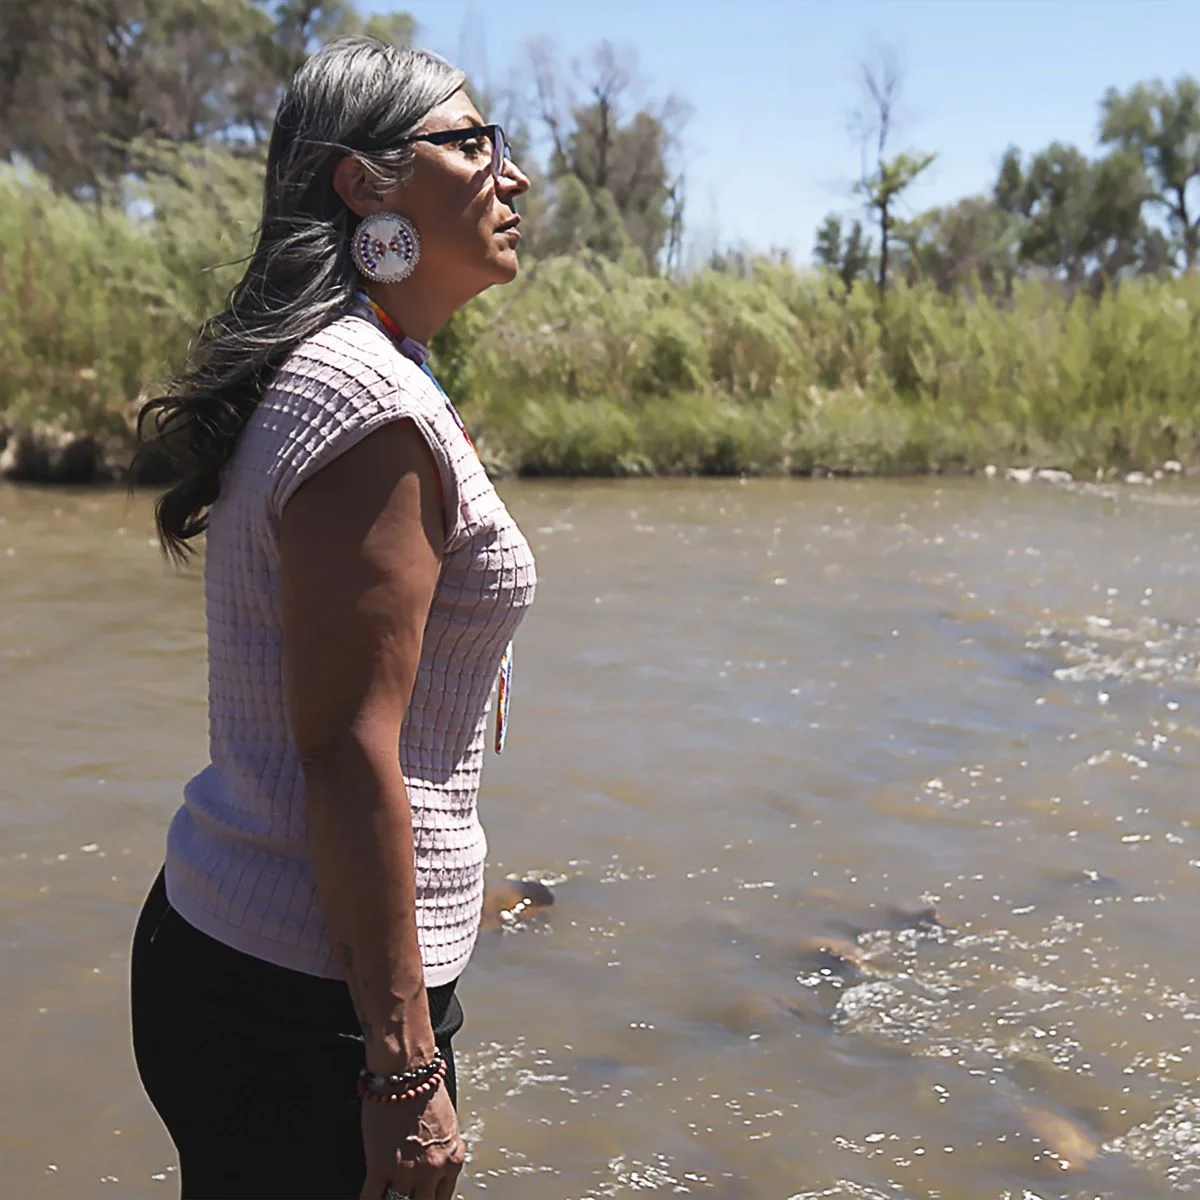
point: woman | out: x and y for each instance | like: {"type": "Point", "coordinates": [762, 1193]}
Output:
{"type": "Point", "coordinates": [294, 966]}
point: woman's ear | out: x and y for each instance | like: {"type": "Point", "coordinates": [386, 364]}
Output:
{"type": "Point", "coordinates": [357, 187]}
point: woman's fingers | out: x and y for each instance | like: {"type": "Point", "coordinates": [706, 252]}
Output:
{"type": "Point", "coordinates": [425, 1181]}
{"type": "Point", "coordinates": [404, 1181]}
{"type": "Point", "coordinates": [453, 1169]}
{"type": "Point", "coordinates": [421, 1163]}
{"type": "Point", "coordinates": [436, 1182]}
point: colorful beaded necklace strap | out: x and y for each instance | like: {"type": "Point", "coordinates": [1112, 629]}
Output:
{"type": "Point", "coordinates": [389, 326]}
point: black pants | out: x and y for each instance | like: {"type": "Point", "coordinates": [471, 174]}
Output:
{"type": "Point", "coordinates": [252, 1067]}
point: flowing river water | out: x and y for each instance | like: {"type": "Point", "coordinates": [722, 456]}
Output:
{"type": "Point", "coordinates": [867, 807]}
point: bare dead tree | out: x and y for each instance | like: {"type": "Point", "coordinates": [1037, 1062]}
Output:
{"type": "Point", "coordinates": [874, 119]}
{"type": "Point", "coordinates": [676, 209]}
{"type": "Point", "coordinates": [550, 107]}
{"type": "Point", "coordinates": [883, 177]}
{"type": "Point", "coordinates": [611, 79]}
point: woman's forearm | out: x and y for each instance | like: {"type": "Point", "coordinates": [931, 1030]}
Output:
{"type": "Point", "coordinates": [361, 844]}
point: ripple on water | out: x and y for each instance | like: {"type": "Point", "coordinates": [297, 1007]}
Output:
{"type": "Point", "coordinates": [1029, 1037]}
{"type": "Point", "coordinates": [1169, 1145]}
{"type": "Point", "coordinates": [625, 1175]}
{"type": "Point", "coordinates": [1147, 650]}
{"type": "Point", "coordinates": [846, 1189]}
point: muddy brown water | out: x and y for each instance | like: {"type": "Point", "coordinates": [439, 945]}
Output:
{"type": "Point", "coordinates": [869, 809]}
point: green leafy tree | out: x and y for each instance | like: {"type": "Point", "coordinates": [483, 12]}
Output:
{"type": "Point", "coordinates": [882, 189]}
{"type": "Point", "coordinates": [1160, 124]}
{"type": "Point", "coordinates": [1053, 196]}
{"type": "Point", "coordinates": [83, 82]}
{"type": "Point", "coordinates": [1121, 239]}
{"type": "Point", "coordinates": [1078, 218]}
{"type": "Point", "coordinates": [972, 241]}
{"type": "Point", "coordinates": [295, 29]}
{"type": "Point", "coordinates": [602, 138]}
{"type": "Point", "coordinates": [848, 255]}
{"type": "Point", "coordinates": [582, 219]}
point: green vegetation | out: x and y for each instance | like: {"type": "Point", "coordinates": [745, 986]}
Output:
{"type": "Point", "coordinates": [1053, 322]}
{"type": "Point", "coordinates": [588, 369]}
{"type": "Point", "coordinates": [96, 304]}
{"type": "Point", "coordinates": [585, 366]}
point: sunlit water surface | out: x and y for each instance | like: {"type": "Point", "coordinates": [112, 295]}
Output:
{"type": "Point", "coordinates": [868, 808]}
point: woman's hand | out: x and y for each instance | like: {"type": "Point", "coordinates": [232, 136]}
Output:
{"type": "Point", "coordinates": [413, 1148]}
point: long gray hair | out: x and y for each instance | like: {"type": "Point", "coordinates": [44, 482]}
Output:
{"type": "Point", "coordinates": [356, 95]}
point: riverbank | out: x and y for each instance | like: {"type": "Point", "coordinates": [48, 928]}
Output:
{"type": "Point", "coordinates": [585, 367]}
{"type": "Point", "coordinates": [46, 453]}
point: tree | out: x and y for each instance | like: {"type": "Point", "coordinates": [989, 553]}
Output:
{"type": "Point", "coordinates": [848, 255]}
{"type": "Point", "coordinates": [1053, 198]}
{"type": "Point", "coordinates": [85, 80]}
{"type": "Point", "coordinates": [295, 30]}
{"type": "Point", "coordinates": [828, 247]}
{"type": "Point", "coordinates": [676, 208]}
{"type": "Point", "coordinates": [1120, 238]}
{"type": "Point", "coordinates": [82, 83]}
{"type": "Point", "coordinates": [583, 220]}
{"type": "Point", "coordinates": [1078, 218]}
{"type": "Point", "coordinates": [883, 180]}
{"type": "Point", "coordinates": [597, 136]}
{"type": "Point", "coordinates": [1161, 126]}
{"type": "Point", "coordinates": [973, 240]}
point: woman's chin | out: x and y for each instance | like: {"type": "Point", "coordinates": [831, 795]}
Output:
{"type": "Point", "coordinates": [506, 265]}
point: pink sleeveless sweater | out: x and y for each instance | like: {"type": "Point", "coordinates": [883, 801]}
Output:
{"type": "Point", "coordinates": [237, 866]}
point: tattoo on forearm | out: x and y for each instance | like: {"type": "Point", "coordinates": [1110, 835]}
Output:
{"type": "Point", "coordinates": [346, 958]}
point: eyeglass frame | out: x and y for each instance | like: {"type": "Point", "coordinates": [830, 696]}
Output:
{"type": "Point", "coordinates": [501, 150]}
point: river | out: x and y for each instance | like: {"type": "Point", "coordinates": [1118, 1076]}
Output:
{"type": "Point", "coordinates": [867, 806]}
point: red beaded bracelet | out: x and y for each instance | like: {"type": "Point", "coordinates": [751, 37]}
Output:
{"type": "Point", "coordinates": [427, 1088]}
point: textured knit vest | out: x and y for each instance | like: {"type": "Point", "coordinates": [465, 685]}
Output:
{"type": "Point", "coordinates": [237, 865]}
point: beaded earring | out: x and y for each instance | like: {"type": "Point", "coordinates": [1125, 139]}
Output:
{"type": "Point", "coordinates": [386, 247]}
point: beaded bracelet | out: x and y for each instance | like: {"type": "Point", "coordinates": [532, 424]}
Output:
{"type": "Point", "coordinates": [393, 1083]}
{"type": "Point", "coordinates": [426, 1088]}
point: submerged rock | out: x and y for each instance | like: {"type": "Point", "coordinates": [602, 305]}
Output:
{"type": "Point", "coordinates": [1068, 1140]}
{"type": "Point", "coordinates": [923, 919]}
{"type": "Point", "coordinates": [512, 899]}
{"type": "Point", "coordinates": [841, 958]}
{"type": "Point", "coordinates": [751, 1014]}
{"type": "Point", "coordinates": [890, 918]}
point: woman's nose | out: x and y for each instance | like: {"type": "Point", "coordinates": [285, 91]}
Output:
{"type": "Point", "coordinates": [513, 181]}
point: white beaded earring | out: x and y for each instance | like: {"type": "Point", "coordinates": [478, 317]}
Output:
{"type": "Point", "coordinates": [386, 247]}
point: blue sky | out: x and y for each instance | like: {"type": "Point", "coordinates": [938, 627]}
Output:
{"type": "Point", "coordinates": [772, 82]}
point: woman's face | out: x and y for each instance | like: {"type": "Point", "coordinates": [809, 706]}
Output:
{"type": "Point", "coordinates": [465, 216]}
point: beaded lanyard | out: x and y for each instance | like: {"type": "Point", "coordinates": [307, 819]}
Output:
{"type": "Point", "coordinates": [504, 686]}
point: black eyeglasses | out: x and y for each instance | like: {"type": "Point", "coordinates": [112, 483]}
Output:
{"type": "Point", "coordinates": [492, 133]}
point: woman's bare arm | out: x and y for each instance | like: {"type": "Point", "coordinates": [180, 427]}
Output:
{"type": "Point", "coordinates": [360, 550]}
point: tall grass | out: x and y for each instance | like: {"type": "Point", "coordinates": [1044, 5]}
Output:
{"type": "Point", "coordinates": [585, 367]}
{"type": "Point", "coordinates": [98, 301]}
